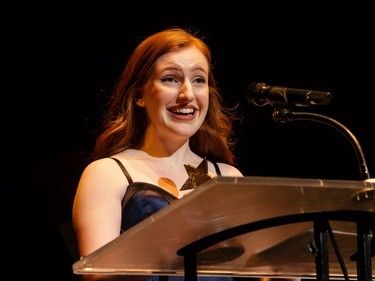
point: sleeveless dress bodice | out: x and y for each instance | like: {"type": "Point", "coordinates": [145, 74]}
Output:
{"type": "Point", "coordinates": [141, 200]}
{"type": "Point", "coordinates": [144, 199]}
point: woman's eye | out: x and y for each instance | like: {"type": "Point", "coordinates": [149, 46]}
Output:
{"type": "Point", "coordinates": [169, 80]}
{"type": "Point", "coordinates": [200, 80]}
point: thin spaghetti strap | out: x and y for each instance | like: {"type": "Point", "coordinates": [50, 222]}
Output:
{"type": "Point", "coordinates": [128, 177]}
{"type": "Point", "coordinates": [217, 169]}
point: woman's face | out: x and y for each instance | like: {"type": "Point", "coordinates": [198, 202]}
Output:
{"type": "Point", "coordinates": [177, 94]}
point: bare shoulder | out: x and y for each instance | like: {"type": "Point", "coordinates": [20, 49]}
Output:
{"type": "Point", "coordinates": [103, 172]}
{"type": "Point", "coordinates": [229, 170]}
{"type": "Point", "coordinates": [101, 165]}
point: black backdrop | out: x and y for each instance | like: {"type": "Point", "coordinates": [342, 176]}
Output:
{"type": "Point", "coordinates": [61, 59]}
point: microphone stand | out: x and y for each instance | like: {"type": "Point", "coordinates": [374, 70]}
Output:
{"type": "Point", "coordinates": [366, 245]}
{"type": "Point", "coordinates": [284, 115]}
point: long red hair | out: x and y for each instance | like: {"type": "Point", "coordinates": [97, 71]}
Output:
{"type": "Point", "coordinates": [125, 123]}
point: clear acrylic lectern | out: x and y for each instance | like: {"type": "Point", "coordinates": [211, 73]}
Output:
{"type": "Point", "coordinates": [251, 227]}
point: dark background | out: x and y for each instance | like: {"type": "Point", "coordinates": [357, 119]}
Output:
{"type": "Point", "coordinates": [61, 59]}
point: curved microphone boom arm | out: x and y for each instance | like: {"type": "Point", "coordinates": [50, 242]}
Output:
{"type": "Point", "coordinates": [281, 114]}
{"type": "Point", "coordinates": [282, 98]}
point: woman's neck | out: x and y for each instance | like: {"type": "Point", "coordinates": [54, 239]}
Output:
{"type": "Point", "coordinates": [182, 154]}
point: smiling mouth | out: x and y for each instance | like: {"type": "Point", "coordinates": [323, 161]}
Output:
{"type": "Point", "coordinates": [183, 111]}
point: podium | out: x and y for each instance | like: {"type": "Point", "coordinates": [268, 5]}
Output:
{"type": "Point", "coordinates": [251, 227]}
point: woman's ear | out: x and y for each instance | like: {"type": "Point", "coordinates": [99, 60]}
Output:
{"type": "Point", "coordinates": [140, 102]}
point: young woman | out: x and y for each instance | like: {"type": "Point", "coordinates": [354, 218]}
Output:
{"type": "Point", "coordinates": [165, 118]}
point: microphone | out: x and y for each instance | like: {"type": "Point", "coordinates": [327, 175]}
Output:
{"type": "Point", "coordinates": [262, 94]}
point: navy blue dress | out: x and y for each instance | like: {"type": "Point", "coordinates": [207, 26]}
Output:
{"type": "Point", "coordinates": [144, 199]}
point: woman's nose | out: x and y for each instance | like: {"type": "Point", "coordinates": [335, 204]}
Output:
{"type": "Point", "coordinates": [186, 93]}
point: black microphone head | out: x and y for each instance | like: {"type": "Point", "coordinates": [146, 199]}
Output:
{"type": "Point", "coordinates": [261, 94]}
{"type": "Point", "coordinates": [254, 93]}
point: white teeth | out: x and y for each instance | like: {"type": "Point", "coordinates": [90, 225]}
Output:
{"type": "Point", "coordinates": [183, 110]}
